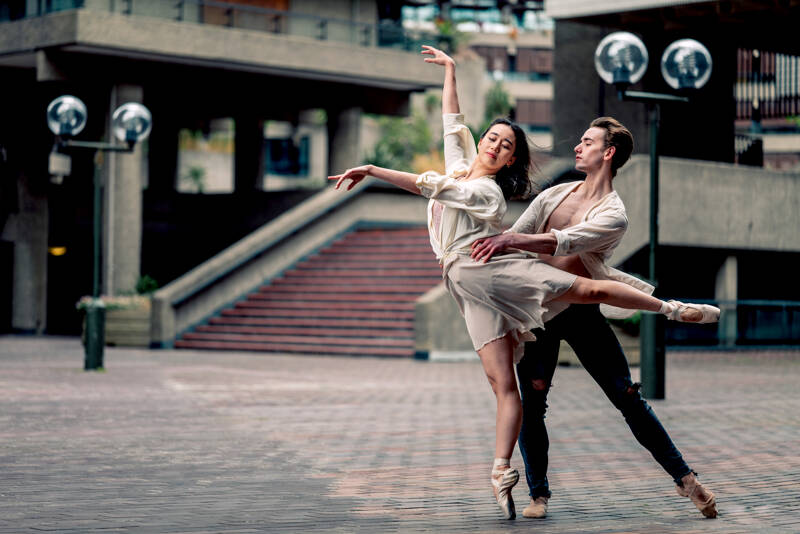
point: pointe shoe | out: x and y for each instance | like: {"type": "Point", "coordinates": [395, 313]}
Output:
{"type": "Point", "coordinates": [537, 509]}
{"type": "Point", "coordinates": [693, 313]}
{"type": "Point", "coordinates": [502, 481]}
{"type": "Point", "coordinates": [702, 498]}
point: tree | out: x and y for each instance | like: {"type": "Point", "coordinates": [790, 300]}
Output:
{"type": "Point", "coordinates": [401, 140]}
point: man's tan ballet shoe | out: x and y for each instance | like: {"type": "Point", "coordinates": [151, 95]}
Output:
{"type": "Point", "coordinates": [503, 479]}
{"type": "Point", "coordinates": [693, 313]}
{"type": "Point", "coordinates": [702, 498]}
{"type": "Point", "coordinates": [537, 509]}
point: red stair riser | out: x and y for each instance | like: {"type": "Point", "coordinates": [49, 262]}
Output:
{"type": "Point", "coordinates": [255, 301]}
{"type": "Point", "coordinates": [338, 297]}
{"type": "Point", "coordinates": [309, 288]}
{"type": "Point", "coordinates": [257, 312]}
{"type": "Point", "coordinates": [312, 331]}
{"type": "Point", "coordinates": [301, 340]}
{"type": "Point", "coordinates": [318, 322]}
{"type": "Point", "coordinates": [287, 347]}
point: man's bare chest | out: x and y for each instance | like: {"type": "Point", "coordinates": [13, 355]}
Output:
{"type": "Point", "coordinates": [569, 213]}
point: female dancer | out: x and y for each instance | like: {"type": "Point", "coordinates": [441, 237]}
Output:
{"type": "Point", "coordinates": [504, 299]}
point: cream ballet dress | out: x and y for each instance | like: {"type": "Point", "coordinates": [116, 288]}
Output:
{"type": "Point", "coordinates": [512, 293]}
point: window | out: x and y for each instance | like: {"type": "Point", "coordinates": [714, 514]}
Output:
{"type": "Point", "coordinates": [284, 157]}
{"type": "Point", "coordinates": [205, 158]}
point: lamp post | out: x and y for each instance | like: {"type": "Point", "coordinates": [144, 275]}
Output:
{"type": "Point", "coordinates": [131, 123]}
{"type": "Point", "coordinates": [621, 59]}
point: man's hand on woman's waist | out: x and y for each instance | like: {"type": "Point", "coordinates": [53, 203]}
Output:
{"type": "Point", "coordinates": [483, 249]}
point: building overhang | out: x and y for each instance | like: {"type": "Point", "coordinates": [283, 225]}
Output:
{"type": "Point", "coordinates": [754, 23]}
{"type": "Point", "coordinates": [85, 33]}
{"type": "Point", "coordinates": [571, 9]}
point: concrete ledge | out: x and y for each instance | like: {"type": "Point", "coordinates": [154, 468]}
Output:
{"type": "Point", "coordinates": [710, 204]}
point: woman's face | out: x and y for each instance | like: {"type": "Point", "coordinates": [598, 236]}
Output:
{"type": "Point", "coordinates": [496, 149]}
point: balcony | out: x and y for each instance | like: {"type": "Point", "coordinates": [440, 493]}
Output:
{"type": "Point", "coordinates": [220, 34]}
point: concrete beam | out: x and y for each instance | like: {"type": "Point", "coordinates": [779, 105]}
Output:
{"type": "Point", "coordinates": [146, 38]}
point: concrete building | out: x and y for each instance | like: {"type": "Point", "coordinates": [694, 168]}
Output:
{"type": "Point", "coordinates": [516, 46]}
{"type": "Point", "coordinates": [249, 97]}
{"type": "Point", "coordinates": [734, 261]}
{"type": "Point", "coordinates": [298, 73]}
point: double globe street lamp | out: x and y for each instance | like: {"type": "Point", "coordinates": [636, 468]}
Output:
{"type": "Point", "coordinates": [621, 59]}
{"type": "Point", "coordinates": [130, 124]}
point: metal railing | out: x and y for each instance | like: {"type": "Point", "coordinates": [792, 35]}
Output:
{"type": "Point", "coordinates": [516, 76]}
{"type": "Point", "coordinates": [742, 323]}
{"type": "Point", "coordinates": [749, 150]}
{"type": "Point", "coordinates": [767, 85]}
{"type": "Point", "coordinates": [264, 19]}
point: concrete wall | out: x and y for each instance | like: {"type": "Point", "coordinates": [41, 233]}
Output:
{"type": "Point", "coordinates": [28, 230]}
{"type": "Point", "coordinates": [708, 204]}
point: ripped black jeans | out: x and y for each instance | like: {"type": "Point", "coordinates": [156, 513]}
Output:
{"type": "Point", "coordinates": [597, 348]}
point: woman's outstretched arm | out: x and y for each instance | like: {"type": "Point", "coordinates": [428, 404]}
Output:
{"type": "Point", "coordinates": [404, 180]}
{"type": "Point", "coordinates": [449, 94]}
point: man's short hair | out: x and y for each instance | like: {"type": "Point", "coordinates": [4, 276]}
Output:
{"type": "Point", "coordinates": [617, 136]}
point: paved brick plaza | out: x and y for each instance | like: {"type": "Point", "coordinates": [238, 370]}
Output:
{"type": "Point", "coordinates": [180, 441]}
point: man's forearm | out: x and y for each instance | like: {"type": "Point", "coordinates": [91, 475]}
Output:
{"type": "Point", "coordinates": [539, 243]}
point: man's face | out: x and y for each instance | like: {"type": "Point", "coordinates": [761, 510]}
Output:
{"type": "Point", "coordinates": [591, 152]}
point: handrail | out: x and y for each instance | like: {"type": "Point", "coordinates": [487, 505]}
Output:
{"type": "Point", "coordinates": [270, 11]}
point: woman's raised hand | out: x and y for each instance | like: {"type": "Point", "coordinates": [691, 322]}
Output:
{"type": "Point", "coordinates": [355, 175]}
{"type": "Point", "coordinates": [437, 56]}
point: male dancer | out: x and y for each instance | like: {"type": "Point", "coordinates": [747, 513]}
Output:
{"type": "Point", "coordinates": [575, 227]}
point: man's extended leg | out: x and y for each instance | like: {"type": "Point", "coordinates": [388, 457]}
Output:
{"type": "Point", "coordinates": [535, 373]}
{"type": "Point", "coordinates": [600, 354]}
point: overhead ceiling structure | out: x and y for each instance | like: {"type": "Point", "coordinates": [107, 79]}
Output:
{"type": "Point", "coordinates": [765, 24]}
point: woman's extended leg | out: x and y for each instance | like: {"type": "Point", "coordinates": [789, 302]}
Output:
{"type": "Point", "coordinates": [588, 291]}
{"type": "Point", "coordinates": [497, 358]}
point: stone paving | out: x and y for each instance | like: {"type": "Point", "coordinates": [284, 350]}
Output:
{"type": "Point", "coordinates": [182, 441]}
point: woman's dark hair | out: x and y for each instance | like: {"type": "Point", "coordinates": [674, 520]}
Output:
{"type": "Point", "coordinates": [515, 180]}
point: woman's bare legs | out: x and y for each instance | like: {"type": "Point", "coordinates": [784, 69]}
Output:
{"type": "Point", "coordinates": [588, 291]}
{"type": "Point", "coordinates": [497, 358]}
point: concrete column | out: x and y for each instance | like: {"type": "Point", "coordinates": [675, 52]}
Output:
{"type": "Point", "coordinates": [726, 293]}
{"type": "Point", "coordinates": [29, 231]}
{"type": "Point", "coordinates": [344, 139]}
{"type": "Point", "coordinates": [248, 166]}
{"type": "Point", "coordinates": [122, 206]}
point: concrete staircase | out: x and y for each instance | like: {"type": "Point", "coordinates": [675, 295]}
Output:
{"type": "Point", "coordinates": [353, 297]}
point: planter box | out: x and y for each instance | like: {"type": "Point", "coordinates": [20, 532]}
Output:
{"type": "Point", "coordinates": [129, 327]}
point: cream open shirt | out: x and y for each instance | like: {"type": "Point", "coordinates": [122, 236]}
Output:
{"type": "Point", "coordinates": [473, 208]}
{"type": "Point", "coordinates": [593, 239]}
